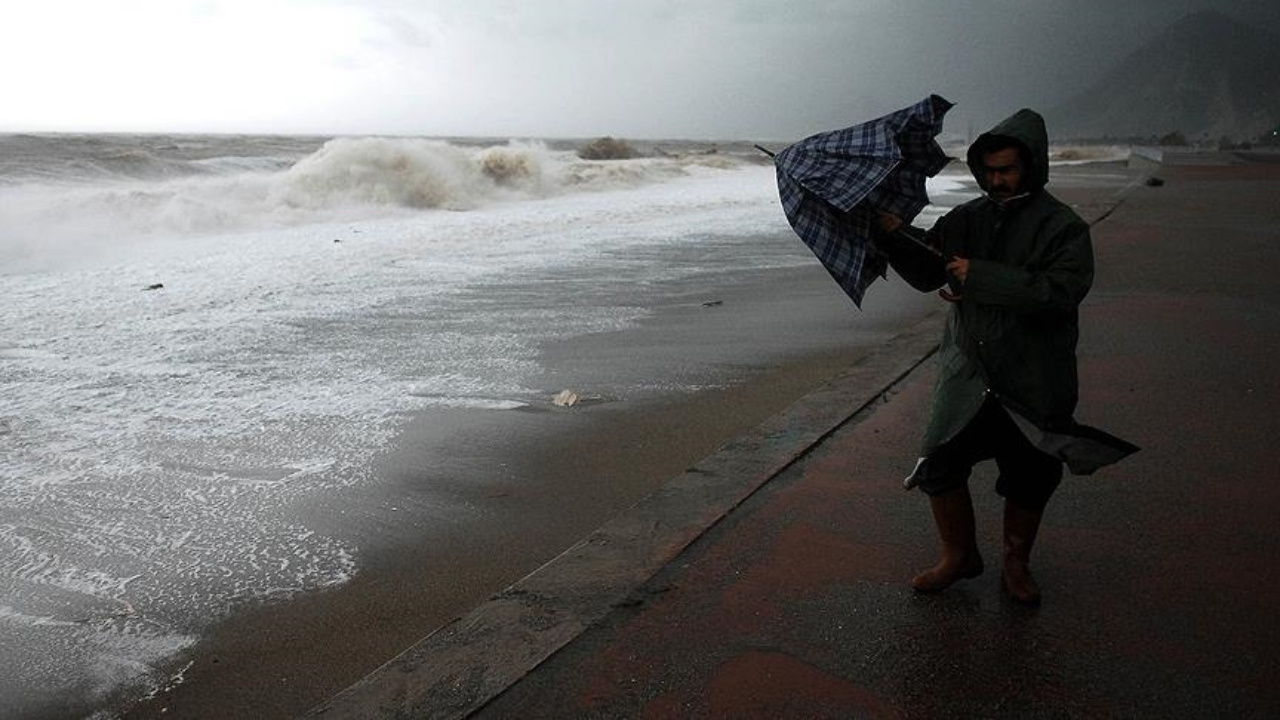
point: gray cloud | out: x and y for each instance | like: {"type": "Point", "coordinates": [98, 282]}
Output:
{"type": "Point", "coordinates": [636, 68]}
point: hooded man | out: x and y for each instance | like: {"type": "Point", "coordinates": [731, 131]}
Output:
{"type": "Point", "coordinates": [1020, 262]}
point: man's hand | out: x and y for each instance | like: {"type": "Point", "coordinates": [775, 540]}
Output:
{"type": "Point", "coordinates": [959, 269]}
{"type": "Point", "coordinates": [888, 222]}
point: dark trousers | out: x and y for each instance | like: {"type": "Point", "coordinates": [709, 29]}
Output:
{"type": "Point", "coordinates": [1028, 477]}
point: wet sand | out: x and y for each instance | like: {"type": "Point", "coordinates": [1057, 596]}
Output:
{"type": "Point", "coordinates": [520, 486]}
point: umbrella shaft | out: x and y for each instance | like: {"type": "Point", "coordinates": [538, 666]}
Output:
{"type": "Point", "coordinates": [917, 241]}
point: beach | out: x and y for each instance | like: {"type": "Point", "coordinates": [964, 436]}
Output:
{"type": "Point", "coordinates": [772, 337]}
{"type": "Point", "coordinates": [552, 476]}
{"type": "Point", "coordinates": [268, 438]}
{"type": "Point", "coordinates": [247, 376]}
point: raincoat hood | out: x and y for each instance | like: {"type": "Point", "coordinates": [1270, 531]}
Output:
{"type": "Point", "coordinates": [1026, 128]}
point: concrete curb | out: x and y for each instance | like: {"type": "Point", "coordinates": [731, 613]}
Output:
{"type": "Point", "coordinates": [456, 670]}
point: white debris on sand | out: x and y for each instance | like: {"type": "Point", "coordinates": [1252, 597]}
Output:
{"type": "Point", "coordinates": [566, 398]}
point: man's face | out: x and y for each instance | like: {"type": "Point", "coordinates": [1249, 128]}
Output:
{"type": "Point", "coordinates": [1003, 172]}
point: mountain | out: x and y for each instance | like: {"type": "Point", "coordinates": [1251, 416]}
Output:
{"type": "Point", "coordinates": [1207, 76]}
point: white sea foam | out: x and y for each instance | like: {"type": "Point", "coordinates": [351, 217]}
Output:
{"type": "Point", "coordinates": [133, 200]}
{"type": "Point", "coordinates": [1087, 154]}
{"type": "Point", "coordinates": [157, 443]}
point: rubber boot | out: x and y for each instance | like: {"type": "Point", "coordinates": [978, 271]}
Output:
{"type": "Point", "coordinates": [959, 557]}
{"type": "Point", "coordinates": [1020, 528]}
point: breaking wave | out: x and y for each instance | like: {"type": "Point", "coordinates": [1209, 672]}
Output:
{"type": "Point", "coordinates": [98, 197]}
{"type": "Point", "coordinates": [417, 174]}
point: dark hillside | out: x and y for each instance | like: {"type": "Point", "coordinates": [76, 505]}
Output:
{"type": "Point", "coordinates": [1207, 77]}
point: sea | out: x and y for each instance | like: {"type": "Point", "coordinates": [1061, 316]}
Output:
{"type": "Point", "coordinates": [202, 334]}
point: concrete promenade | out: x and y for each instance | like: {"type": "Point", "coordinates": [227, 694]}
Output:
{"type": "Point", "coordinates": [770, 580]}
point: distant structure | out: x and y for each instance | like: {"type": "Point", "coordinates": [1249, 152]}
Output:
{"type": "Point", "coordinates": [1207, 77]}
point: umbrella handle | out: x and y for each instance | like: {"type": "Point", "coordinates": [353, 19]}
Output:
{"type": "Point", "coordinates": [919, 243]}
{"type": "Point", "coordinates": [766, 151]}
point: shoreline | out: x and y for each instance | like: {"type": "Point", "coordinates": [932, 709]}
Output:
{"type": "Point", "coordinates": [482, 525]}
{"type": "Point", "coordinates": [523, 485]}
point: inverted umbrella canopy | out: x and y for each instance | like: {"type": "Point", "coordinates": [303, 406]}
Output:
{"type": "Point", "coordinates": [833, 184]}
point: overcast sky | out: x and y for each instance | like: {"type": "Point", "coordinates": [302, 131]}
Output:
{"type": "Point", "coordinates": [750, 69]}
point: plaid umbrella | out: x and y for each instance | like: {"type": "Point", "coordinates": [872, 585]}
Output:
{"type": "Point", "coordinates": [832, 184]}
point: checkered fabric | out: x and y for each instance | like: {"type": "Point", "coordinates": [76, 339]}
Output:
{"type": "Point", "coordinates": [832, 183]}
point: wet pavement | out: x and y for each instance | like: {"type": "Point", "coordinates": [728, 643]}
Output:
{"type": "Point", "coordinates": [770, 580]}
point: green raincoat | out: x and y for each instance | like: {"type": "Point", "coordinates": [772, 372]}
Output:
{"type": "Point", "coordinates": [1013, 334]}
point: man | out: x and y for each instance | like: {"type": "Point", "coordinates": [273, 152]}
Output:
{"type": "Point", "coordinates": [1020, 262]}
